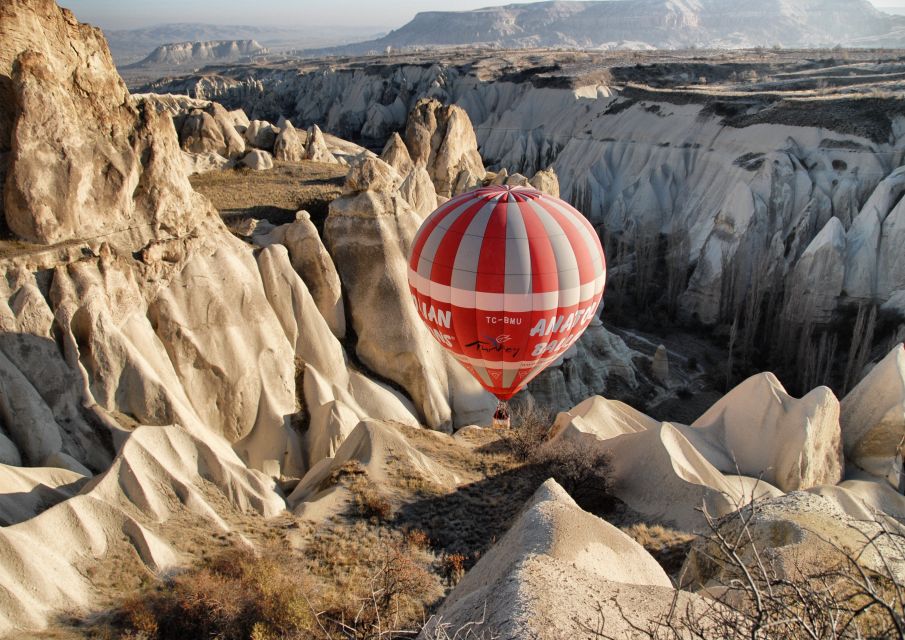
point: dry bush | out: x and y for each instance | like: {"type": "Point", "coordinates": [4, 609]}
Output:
{"type": "Point", "coordinates": [365, 588]}
{"type": "Point", "coordinates": [371, 504]}
{"type": "Point", "coordinates": [584, 472]}
{"type": "Point", "coordinates": [452, 567]}
{"type": "Point", "coordinates": [236, 596]}
{"type": "Point", "coordinates": [529, 430]}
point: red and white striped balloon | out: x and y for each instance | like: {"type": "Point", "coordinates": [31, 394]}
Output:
{"type": "Point", "coordinates": [506, 279]}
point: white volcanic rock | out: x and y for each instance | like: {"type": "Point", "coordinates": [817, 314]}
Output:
{"type": "Point", "coordinates": [62, 182]}
{"type": "Point", "coordinates": [331, 396]}
{"type": "Point", "coordinates": [442, 138]}
{"type": "Point", "coordinates": [258, 160]}
{"type": "Point", "coordinates": [601, 419]}
{"type": "Point", "coordinates": [229, 351]}
{"type": "Point", "coordinates": [517, 180]}
{"type": "Point", "coordinates": [547, 181]}
{"type": "Point", "coordinates": [759, 430]}
{"type": "Point", "coordinates": [817, 279]}
{"type": "Point", "coordinates": [238, 118]}
{"type": "Point", "coordinates": [891, 261]}
{"type": "Point", "coordinates": [26, 492]}
{"type": "Point", "coordinates": [369, 233]}
{"type": "Point", "coordinates": [795, 533]}
{"type": "Point", "coordinates": [873, 415]}
{"type": "Point", "coordinates": [383, 453]}
{"type": "Point", "coordinates": [418, 190]}
{"type": "Point", "coordinates": [659, 473]}
{"type": "Point", "coordinates": [203, 162]}
{"type": "Point", "coordinates": [397, 155]}
{"type": "Point", "coordinates": [555, 564]}
{"type": "Point", "coordinates": [159, 472]}
{"type": "Point", "coordinates": [660, 365]}
{"type": "Point", "coordinates": [863, 247]}
{"type": "Point", "coordinates": [290, 144]}
{"type": "Point", "coordinates": [313, 263]}
{"type": "Point", "coordinates": [654, 468]}
{"type": "Point", "coordinates": [316, 148]}
{"type": "Point", "coordinates": [260, 134]}
{"type": "Point", "coordinates": [209, 130]}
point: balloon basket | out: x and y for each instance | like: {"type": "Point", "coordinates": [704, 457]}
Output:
{"type": "Point", "coordinates": [501, 416]}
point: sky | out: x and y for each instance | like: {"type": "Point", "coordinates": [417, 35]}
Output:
{"type": "Point", "coordinates": [380, 14]}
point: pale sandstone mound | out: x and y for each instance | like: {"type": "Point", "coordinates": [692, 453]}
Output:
{"type": "Point", "coordinates": [335, 398]}
{"type": "Point", "coordinates": [601, 419]}
{"type": "Point", "coordinates": [289, 145]}
{"type": "Point", "coordinates": [260, 134]}
{"type": "Point", "coordinates": [84, 161]}
{"type": "Point", "coordinates": [369, 233]}
{"type": "Point", "coordinates": [418, 190]}
{"type": "Point", "coordinates": [40, 394]}
{"type": "Point", "coordinates": [159, 473]}
{"type": "Point", "coordinates": [759, 430]}
{"type": "Point", "coordinates": [316, 147]}
{"type": "Point", "coordinates": [548, 574]}
{"type": "Point", "coordinates": [656, 468]}
{"type": "Point", "coordinates": [660, 474]}
{"type": "Point", "coordinates": [228, 349]}
{"type": "Point", "coordinates": [205, 350]}
{"type": "Point", "coordinates": [203, 162]}
{"type": "Point", "coordinates": [442, 138]}
{"type": "Point", "coordinates": [210, 129]}
{"type": "Point", "coordinates": [797, 532]}
{"type": "Point", "coordinates": [873, 415]}
{"type": "Point", "coordinates": [258, 160]}
{"type": "Point", "coordinates": [383, 453]}
{"type": "Point", "coordinates": [547, 181]}
{"type": "Point", "coordinates": [397, 155]}
{"type": "Point", "coordinates": [313, 263]}
{"type": "Point", "coordinates": [29, 491]}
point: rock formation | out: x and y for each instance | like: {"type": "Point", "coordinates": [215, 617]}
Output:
{"type": "Point", "coordinates": [873, 415]}
{"type": "Point", "coordinates": [313, 263]}
{"type": "Point", "coordinates": [442, 138]}
{"type": "Point", "coordinates": [758, 430]}
{"type": "Point", "coordinates": [369, 233]}
{"type": "Point", "coordinates": [260, 135]}
{"type": "Point", "coordinates": [81, 156]}
{"type": "Point", "coordinates": [257, 160]}
{"type": "Point", "coordinates": [554, 565]}
{"type": "Point", "coordinates": [290, 144]}
{"type": "Point", "coordinates": [316, 148]}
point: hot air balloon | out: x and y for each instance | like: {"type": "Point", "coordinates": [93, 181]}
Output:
{"type": "Point", "coordinates": [506, 279]}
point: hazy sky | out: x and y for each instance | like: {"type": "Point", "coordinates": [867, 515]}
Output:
{"type": "Point", "coordinates": [118, 14]}
{"type": "Point", "coordinates": [381, 14]}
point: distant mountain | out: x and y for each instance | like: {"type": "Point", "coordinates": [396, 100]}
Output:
{"type": "Point", "coordinates": [650, 23]}
{"type": "Point", "coordinates": [181, 53]}
{"type": "Point", "coordinates": [132, 45]}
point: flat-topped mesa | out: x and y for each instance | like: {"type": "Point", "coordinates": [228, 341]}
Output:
{"type": "Point", "coordinates": [83, 161]}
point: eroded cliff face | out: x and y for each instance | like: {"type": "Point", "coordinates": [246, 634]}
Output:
{"type": "Point", "coordinates": [742, 191]}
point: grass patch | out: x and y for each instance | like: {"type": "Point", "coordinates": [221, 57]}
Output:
{"type": "Point", "coordinates": [274, 195]}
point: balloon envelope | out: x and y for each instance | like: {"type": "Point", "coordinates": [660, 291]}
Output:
{"type": "Point", "coordinates": [506, 279]}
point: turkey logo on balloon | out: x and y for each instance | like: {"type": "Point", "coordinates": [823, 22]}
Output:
{"type": "Point", "coordinates": [506, 279]}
